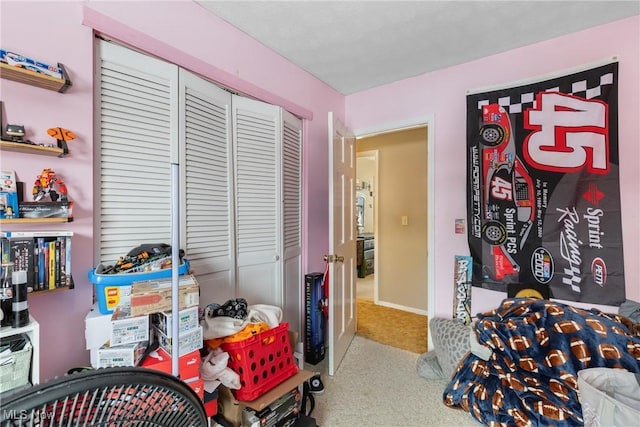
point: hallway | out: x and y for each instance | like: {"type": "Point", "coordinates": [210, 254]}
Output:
{"type": "Point", "coordinates": [364, 287]}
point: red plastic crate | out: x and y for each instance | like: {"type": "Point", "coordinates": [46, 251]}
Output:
{"type": "Point", "coordinates": [262, 361]}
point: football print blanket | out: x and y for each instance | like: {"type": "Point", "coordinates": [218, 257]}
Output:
{"type": "Point", "coordinates": [538, 348]}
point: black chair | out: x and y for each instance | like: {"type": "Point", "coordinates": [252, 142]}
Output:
{"type": "Point", "coordinates": [113, 397]}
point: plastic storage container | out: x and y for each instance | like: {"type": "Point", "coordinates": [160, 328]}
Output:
{"type": "Point", "coordinates": [15, 372]}
{"type": "Point", "coordinates": [111, 289]}
{"type": "Point", "coordinates": [262, 361]}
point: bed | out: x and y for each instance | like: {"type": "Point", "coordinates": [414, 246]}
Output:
{"type": "Point", "coordinates": [537, 348]}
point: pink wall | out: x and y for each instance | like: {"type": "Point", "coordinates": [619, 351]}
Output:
{"type": "Point", "coordinates": [59, 38]}
{"type": "Point", "coordinates": [443, 92]}
{"type": "Point", "coordinates": [180, 31]}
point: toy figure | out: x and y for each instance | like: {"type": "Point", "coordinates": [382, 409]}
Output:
{"type": "Point", "coordinates": [47, 183]}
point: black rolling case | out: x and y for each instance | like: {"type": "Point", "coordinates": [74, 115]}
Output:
{"type": "Point", "coordinates": [314, 319]}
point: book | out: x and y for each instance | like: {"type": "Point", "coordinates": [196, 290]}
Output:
{"type": "Point", "coordinates": [62, 262]}
{"type": "Point", "coordinates": [45, 255]}
{"type": "Point", "coordinates": [68, 261]}
{"type": "Point", "coordinates": [57, 279]}
{"type": "Point", "coordinates": [42, 269]}
{"type": "Point", "coordinates": [22, 256]}
{"type": "Point", "coordinates": [5, 254]}
{"type": "Point", "coordinates": [51, 281]}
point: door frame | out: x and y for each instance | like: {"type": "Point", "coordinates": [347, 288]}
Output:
{"type": "Point", "coordinates": [427, 120]}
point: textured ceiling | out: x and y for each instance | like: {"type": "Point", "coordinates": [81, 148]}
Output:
{"type": "Point", "coordinates": [357, 45]}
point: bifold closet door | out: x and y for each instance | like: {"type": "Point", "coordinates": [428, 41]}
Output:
{"type": "Point", "coordinates": [136, 134]}
{"type": "Point", "coordinates": [240, 186]}
{"type": "Point", "coordinates": [207, 183]}
{"type": "Point", "coordinates": [257, 142]}
{"type": "Point", "coordinates": [293, 283]}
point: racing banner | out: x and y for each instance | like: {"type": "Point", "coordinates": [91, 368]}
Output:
{"type": "Point", "coordinates": [543, 186]}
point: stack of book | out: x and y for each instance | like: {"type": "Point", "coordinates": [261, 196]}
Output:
{"type": "Point", "coordinates": [44, 255]}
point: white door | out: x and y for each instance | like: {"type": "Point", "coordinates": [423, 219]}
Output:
{"type": "Point", "coordinates": [257, 146]}
{"type": "Point", "coordinates": [292, 279]}
{"type": "Point", "coordinates": [342, 241]}
{"type": "Point", "coordinates": [207, 178]}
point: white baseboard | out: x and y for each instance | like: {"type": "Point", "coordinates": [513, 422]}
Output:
{"type": "Point", "coordinates": [402, 307]}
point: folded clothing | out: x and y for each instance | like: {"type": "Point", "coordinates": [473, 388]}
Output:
{"type": "Point", "coordinates": [223, 326]}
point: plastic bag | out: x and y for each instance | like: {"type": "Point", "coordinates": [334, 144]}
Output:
{"type": "Point", "coordinates": [609, 397]}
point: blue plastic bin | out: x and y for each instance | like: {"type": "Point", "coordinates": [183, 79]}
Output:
{"type": "Point", "coordinates": [111, 288]}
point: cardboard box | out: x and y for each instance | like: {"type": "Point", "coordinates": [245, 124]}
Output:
{"type": "Point", "coordinates": [153, 296]}
{"type": "Point", "coordinates": [8, 195]}
{"type": "Point", "coordinates": [187, 321]}
{"type": "Point", "coordinates": [231, 409]}
{"type": "Point", "coordinates": [197, 385]}
{"type": "Point", "coordinates": [189, 341]}
{"type": "Point", "coordinates": [122, 355]}
{"type": "Point", "coordinates": [46, 209]}
{"type": "Point", "coordinates": [107, 329]}
{"type": "Point", "coordinates": [188, 365]}
{"type": "Point", "coordinates": [17, 60]}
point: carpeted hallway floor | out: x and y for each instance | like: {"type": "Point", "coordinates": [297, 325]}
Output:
{"type": "Point", "coordinates": [397, 328]}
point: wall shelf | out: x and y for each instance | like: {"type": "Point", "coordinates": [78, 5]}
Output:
{"type": "Point", "coordinates": [34, 78]}
{"type": "Point", "coordinates": [34, 220]}
{"type": "Point", "coordinates": [46, 291]}
{"type": "Point", "coordinates": [32, 149]}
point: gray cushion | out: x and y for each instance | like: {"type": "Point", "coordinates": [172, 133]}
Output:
{"type": "Point", "coordinates": [451, 341]}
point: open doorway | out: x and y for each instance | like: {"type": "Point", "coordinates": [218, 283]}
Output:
{"type": "Point", "coordinates": [366, 184]}
{"type": "Point", "coordinates": [392, 216]}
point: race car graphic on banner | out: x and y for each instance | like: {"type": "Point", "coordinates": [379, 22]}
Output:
{"type": "Point", "coordinates": [543, 187]}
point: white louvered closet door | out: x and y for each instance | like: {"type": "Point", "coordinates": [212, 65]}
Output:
{"type": "Point", "coordinates": [257, 146]}
{"type": "Point", "coordinates": [207, 170]}
{"type": "Point", "coordinates": [136, 104]}
{"type": "Point", "coordinates": [292, 220]}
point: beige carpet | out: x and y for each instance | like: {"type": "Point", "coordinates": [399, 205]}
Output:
{"type": "Point", "coordinates": [378, 385]}
{"type": "Point", "coordinates": [397, 328]}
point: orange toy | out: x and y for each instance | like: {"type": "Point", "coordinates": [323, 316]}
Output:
{"type": "Point", "coordinates": [48, 183]}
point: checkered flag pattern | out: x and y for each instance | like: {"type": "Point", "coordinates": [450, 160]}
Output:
{"type": "Point", "coordinates": [587, 88]}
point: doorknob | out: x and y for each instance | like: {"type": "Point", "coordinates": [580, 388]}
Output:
{"type": "Point", "coordinates": [334, 258]}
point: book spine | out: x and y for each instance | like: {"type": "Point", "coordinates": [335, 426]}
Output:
{"type": "Point", "coordinates": [42, 269]}
{"type": "Point", "coordinates": [58, 264]}
{"type": "Point", "coordinates": [63, 261]}
{"type": "Point", "coordinates": [6, 250]}
{"type": "Point", "coordinates": [52, 265]}
{"type": "Point", "coordinates": [23, 259]}
{"type": "Point", "coordinates": [68, 261]}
